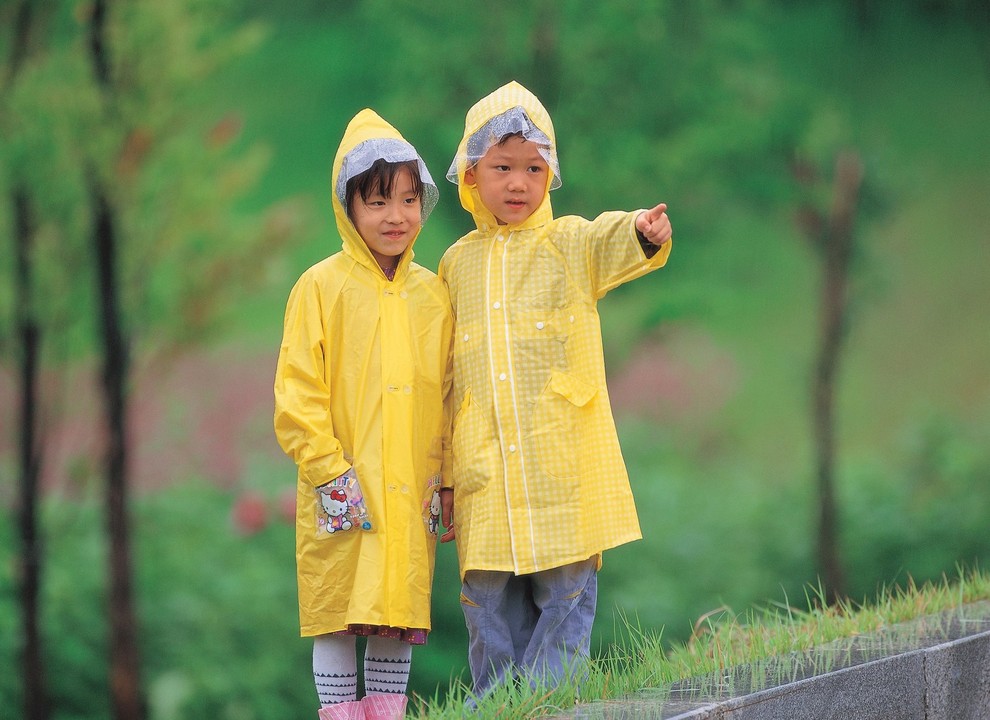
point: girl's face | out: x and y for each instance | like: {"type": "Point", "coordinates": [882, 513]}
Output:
{"type": "Point", "coordinates": [512, 179]}
{"type": "Point", "coordinates": [388, 225]}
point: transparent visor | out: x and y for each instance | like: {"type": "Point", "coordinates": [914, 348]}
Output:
{"type": "Point", "coordinates": [511, 121]}
{"type": "Point", "coordinates": [390, 150]}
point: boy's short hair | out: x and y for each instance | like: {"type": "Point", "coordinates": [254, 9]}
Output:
{"type": "Point", "coordinates": [380, 178]}
{"type": "Point", "coordinates": [514, 122]}
{"type": "Point", "coordinates": [508, 136]}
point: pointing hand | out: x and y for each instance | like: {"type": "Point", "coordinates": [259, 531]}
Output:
{"type": "Point", "coordinates": [655, 225]}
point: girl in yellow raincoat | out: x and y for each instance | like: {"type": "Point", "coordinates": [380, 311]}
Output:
{"type": "Point", "coordinates": [359, 405]}
{"type": "Point", "coordinates": [538, 488]}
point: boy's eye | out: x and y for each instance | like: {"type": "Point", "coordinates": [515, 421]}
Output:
{"type": "Point", "coordinates": [502, 168]}
{"type": "Point", "coordinates": [535, 169]}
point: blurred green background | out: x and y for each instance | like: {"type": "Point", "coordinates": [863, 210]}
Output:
{"type": "Point", "coordinates": [218, 145]}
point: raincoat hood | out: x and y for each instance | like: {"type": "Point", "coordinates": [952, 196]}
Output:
{"type": "Point", "coordinates": [368, 138]}
{"type": "Point", "coordinates": [510, 108]}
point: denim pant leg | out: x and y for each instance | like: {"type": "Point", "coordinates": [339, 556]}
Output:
{"type": "Point", "coordinates": [566, 598]}
{"type": "Point", "coordinates": [500, 616]}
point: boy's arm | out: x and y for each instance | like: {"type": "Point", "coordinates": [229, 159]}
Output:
{"type": "Point", "coordinates": [447, 391]}
{"type": "Point", "coordinates": [612, 250]}
{"type": "Point", "coordinates": [303, 424]}
{"type": "Point", "coordinates": [447, 475]}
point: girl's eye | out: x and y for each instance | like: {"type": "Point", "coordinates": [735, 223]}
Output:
{"type": "Point", "coordinates": [410, 201]}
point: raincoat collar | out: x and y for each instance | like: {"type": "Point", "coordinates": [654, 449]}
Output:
{"type": "Point", "coordinates": [510, 95]}
{"type": "Point", "coordinates": [366, 125]}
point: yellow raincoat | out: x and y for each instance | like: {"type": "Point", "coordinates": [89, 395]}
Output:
{"type": "Point", "coordinates": [538, 476]}
{"type": "Point", "coordinates": [361, 380]}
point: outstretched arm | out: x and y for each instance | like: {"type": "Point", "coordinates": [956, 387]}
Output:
{"type": "Point", "coordinates": [655, 225]}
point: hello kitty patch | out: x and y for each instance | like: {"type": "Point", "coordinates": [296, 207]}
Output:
{"type": "Point", "coordinates": [340, 506]}
{"type": "Point", "coordinates": [431, 504]}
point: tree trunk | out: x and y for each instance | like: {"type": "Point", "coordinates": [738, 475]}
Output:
{"type": "Point", "coordinates": [35, 696]}
{"type": "Point", "coordinates": [125, 684]}
{"type": "Point", "coordinates": [836, 245]}
{"type": "Point", "coordinates": [29, 446]}
{"type": "Point", "coordinates": [126, 699]}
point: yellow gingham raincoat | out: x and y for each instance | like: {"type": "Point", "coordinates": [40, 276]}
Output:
{"type": "Point", "coordinates": [361, 379]}
{"type": "Point", "coordinates": [538, 476]}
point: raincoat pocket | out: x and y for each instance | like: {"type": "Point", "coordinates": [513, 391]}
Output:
{"type": "Point", "coordinates": [558, 423]}
{"type": "Point", "coordinates": [473, 447]}
{"type": "Point", "coordinates": [431, 504]}
{"type": "Point", "coordinates": [340, 506]}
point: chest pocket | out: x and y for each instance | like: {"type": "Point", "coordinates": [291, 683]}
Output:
{"type": "Point", "coordinates": [537, 279]}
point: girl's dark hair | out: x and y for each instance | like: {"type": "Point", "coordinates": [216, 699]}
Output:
{"type": "Point", "coordinates": [380, 178]}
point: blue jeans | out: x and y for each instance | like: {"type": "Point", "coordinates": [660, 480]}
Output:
{"type": "Point", "coordinates": [537, 626]}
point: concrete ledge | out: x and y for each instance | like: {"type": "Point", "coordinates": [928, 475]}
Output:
{"type": "Point", "coordinates": [933, 668]}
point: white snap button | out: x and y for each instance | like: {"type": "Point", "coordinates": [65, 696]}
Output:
{"type": "Point", "coordinates": [501, 376]}
{"type": "Point", "coordinates": [539, 325]}
{"type": "Point", "coordinates": [497, 305]}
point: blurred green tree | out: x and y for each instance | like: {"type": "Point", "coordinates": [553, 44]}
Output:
{"type": "Point", "coordinates": [135, 195]}
{"type": "Point", "coordinates": [832, 235]}
{"type": "Point", "coordinates": [23, 21]}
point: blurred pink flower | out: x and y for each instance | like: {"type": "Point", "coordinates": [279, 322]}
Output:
{"type": "Point", "coordinates": [249, 513]}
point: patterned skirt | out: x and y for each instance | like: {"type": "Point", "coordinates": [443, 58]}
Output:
{"type": "Point", "coordinates": [413, 636]}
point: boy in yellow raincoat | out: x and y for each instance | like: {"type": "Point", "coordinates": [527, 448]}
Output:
{"type": "Point", "coordinates": [359, 405]}
{"type": "Point", "coordinates": [538, 487]}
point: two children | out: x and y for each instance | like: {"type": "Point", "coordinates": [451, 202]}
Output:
{"type": "Point", "coordinates": [535, 473]}
{"type": "Point", "coordinates": [359, 405]}
{"type": "Point", "coordinates": [538, 487]}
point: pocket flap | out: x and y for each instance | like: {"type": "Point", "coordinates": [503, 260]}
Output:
{"type": "Point", "coordinates": [576, 390]}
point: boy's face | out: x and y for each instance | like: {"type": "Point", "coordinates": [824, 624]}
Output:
{"type": "Point", "coordinates": [511, 179]}
{"type": "Point", "coordinates": [388, 224]}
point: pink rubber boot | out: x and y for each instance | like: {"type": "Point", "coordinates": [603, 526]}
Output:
{"type": "Point", "coordinates": [352, 710]}
{"type": "Point", "coordinates": [384, 706]}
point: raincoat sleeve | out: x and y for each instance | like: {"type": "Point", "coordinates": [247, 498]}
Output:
{"type": "Point", "coordinates": [446, 471]}
{"type": "Point", "coordinates": [303, 424]}
{"type": "Point", "coordinates": [615, 253]}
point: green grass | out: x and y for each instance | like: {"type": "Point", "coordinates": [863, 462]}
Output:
{"type": "Point", "coordinates": [721, 640]}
